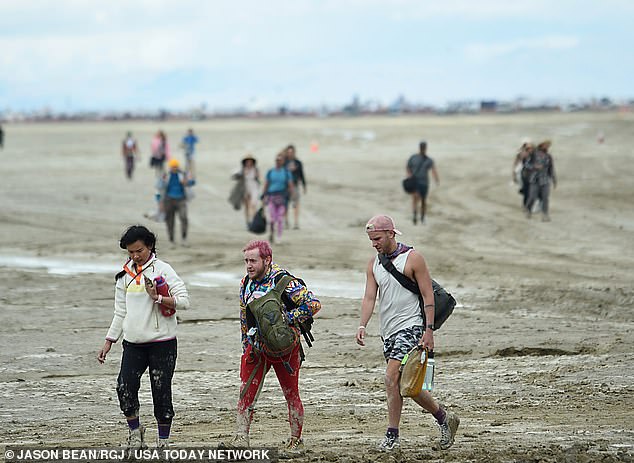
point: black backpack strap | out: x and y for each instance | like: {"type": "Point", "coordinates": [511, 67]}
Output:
{"type": "Point", "coordinates": [402, 279]}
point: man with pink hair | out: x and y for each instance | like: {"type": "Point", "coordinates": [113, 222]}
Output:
{"type": "Point", "coordinates": [401, 324]}
{"type": "Point", "coordinates": [300, 305]}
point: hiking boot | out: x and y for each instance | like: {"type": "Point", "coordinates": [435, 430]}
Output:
{"type": "Point", "coordinates": [135, 439]}
{"type": "Point", "coordinates": [295, 444]}
{"type": "Point", "coordinates": [448, 430]}
{"type": "Point", "coordinates": [390, 442]}
{"type": "Point", "coordinates": [238, 441]}
{"type": "Point", "coordinates": [163, 443]}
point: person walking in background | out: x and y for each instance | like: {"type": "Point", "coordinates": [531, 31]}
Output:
{"type": "Point", "coordinates": [149, 336]}
{"type": "Point", "coordinates": [189, 145]}
{"type": "Point", "coordinates": [541, 172]}
{"type": "Point", "coordinates": [130, 151]}
{"type": "Point", "coordinates": [401, 323]}
{"type": "Point", "coordinates": [300, 305]}
{"type": "Point", "coordinates": [246, 191]}
{"type": "Point", "coordinates": [174, 196]}
{"type": "Point", "coordinates": [295, 167]}
{"type": "Point", "coordinates": [160, 153]}
{"type": "Point", "coordinates": [251, 195]}
{"type": "Point", "coordinates": [520, 173]}
{"type": "Point", "coordinates": [418, 166]}
{"type": "Point", "coordinates": [278, 186]}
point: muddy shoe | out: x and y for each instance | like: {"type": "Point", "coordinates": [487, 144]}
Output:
{"type": "Point", "coordinates": [295, 444]}
{"type": "Point", "coordinates": [238, 441]}
{"type": "Point", "coordinates": [135, 439]}
{"type": "Point", "coordinates": [390, 442]}
{"type": "Point", "coordinates": [448, 431]}
{"type": "Point", "coordinates": [292, 448]}
{"type": "Point", "coordinates": [163, 444]}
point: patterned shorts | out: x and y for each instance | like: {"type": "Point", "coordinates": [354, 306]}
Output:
{"type": "Point", "coordinates": [400, 343]}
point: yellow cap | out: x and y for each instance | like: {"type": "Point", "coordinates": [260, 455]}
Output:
{"type": "Point", "coordinates": [173, 163]}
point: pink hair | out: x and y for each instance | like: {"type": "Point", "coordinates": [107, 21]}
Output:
{"type": "Point", "coordinates": [262, 246]}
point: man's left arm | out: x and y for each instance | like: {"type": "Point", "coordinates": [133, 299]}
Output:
{"type": "Point", "coordinates": [305, 304]}
{"type": "Point", "coordinates": [552, 172]}
{"type": "Point", "coordinates": [301, 177]}
{"type": "Point", "coordinates": [434, 173]}
{"type": "Point", "coordinates": [423, 279]}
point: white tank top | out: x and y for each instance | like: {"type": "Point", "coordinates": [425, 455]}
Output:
{"type": "Point", "coordinates": [398, 307]}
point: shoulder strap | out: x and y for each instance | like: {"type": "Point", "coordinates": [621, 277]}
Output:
{"type": "Point", "coordinates": [281, 284]}
{"type": "Point", "coordinates": [402, 279]}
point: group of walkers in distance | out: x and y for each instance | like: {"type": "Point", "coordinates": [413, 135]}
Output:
{"type": "Point", "coordinates": [173, 187]}
{"type": "Point", "coordinates": [534, 170]}
{"type": "Point", "coordinates": [276, 309]}
{"type": "Point", "coordinates": [280, 191]}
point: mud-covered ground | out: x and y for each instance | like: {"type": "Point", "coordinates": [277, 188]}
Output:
{"type": "Point", "coordinates": [537, 360]}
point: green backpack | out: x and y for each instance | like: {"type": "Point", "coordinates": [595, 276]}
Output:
{"type": "Point", "coordinates": [277, 338]}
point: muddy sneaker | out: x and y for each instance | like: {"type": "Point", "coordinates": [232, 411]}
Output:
{"type": "Point", "coordinates": [163, 443]}
{"type": "Point", "coordinates": [135, 439]}
{"type": "Point", "coordinates": [238, 441]}
{"type": "Point", "coordinates": [295, 444]}
{"type": "Point", "coordinates": [390, 442]}
{"type": "Point", "coordinates": [448, 430]}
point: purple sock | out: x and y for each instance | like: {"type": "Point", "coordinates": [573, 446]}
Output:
{"type": "Point", "coordinates": [440, 415]}
{"type": "Point", "coordinates": [392, 432]}
{"type": "Point", "coordinates": [134, 423]}
{"type": "Point", "coordinates": [164, 430]}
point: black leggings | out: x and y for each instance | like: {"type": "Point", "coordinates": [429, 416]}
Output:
{"type": "Point", "coordinates": [160, 357]}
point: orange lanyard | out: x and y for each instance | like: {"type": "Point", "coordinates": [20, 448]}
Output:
{"type": "Point", "coordinates": [137, 276]}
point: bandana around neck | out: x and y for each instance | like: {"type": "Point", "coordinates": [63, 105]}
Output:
{"type": "Point", "coordinates": [400, 249]}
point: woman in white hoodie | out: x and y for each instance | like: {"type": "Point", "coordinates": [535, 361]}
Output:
{"type": "Point", "coordinates": [144, 319]}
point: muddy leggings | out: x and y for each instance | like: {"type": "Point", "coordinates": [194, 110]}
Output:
{"type": "Point", "coordinates": [160, 357]}
{"type": "Point", "coordinates": [254, 367]}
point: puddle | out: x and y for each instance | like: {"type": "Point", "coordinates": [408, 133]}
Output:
{"type": "Point", "coordinates": [343, 284]}
{"type": "Point", "coordinates": [331, 284]}
{"type": "Point", "coordinates": [57, 266]}
{"type": "Point", "coordinates": [214, 279]}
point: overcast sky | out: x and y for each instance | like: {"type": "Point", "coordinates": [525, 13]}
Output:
{"type": "Point", "coordinates": [177, 54]}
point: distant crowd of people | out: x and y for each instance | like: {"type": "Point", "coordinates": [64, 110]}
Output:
{"type": "Point", "coordinates": [273, 197]}
{"type": "Point", "coordinates": [280, 191]}
{"type": "Point", "coordinates": [174, 185]}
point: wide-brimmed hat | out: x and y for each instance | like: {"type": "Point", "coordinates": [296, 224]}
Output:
{"type": "Point", "coordinates": [248, 157]}
{"type": "Point", "coordinates": [545, 144]}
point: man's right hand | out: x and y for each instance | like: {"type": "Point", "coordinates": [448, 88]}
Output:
{"type": "Point", "coordinates": [361, 336]}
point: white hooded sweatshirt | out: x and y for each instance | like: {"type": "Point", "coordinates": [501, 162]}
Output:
{"type": "Point", "coordinates": [136, 317]}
